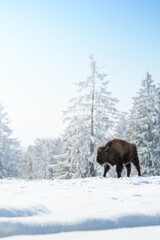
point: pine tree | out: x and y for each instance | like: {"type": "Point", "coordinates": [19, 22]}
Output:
{"type": "Point", "coordinates": [143, 124]}
{"type": "Point", "coordinates": [91, 119]}
{"type": "Point", "coordinates": [10, 153]}
{"type": "Point", "coordinates": [41, 160]}
{"type": "Point", "coordinates": [122, 126]}
{"type": "Point", "coordinates": [156, 132]}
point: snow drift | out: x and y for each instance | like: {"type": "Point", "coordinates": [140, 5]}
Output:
{"type": "Point", "coordinates": [43, 207]}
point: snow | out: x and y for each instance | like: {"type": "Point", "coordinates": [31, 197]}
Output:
{"type": "Point", "coordinates": [125, 234]}
{"type": "Point", "coordinates": [80, 208]}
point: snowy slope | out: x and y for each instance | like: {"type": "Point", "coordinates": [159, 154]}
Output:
{"type": "Point", "coordinates": [49, 207]}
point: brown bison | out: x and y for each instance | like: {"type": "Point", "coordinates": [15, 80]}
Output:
{"type": "Point", "coordinates": [118, 152]}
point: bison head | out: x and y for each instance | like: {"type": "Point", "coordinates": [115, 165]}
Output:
{"type": "Point", "coordinates": [102, 154]}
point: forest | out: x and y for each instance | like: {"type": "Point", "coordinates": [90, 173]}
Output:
{"type": "Point", "coordinates": [91, 119]}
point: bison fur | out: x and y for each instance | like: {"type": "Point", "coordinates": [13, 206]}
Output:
{"type": "Point", "coordinates": [120, 153]}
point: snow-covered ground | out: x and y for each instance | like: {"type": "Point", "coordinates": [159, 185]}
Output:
{"type": "Point", "coordinates": [89, 208]}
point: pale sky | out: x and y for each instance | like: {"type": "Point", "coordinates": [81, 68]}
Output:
{"type": "Point", "coordinates": [44, 49]}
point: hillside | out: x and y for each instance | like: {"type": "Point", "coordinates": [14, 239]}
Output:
{"type": "Point", "coordinates": [60, 208]}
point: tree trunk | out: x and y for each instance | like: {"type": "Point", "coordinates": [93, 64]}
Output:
{"type": "Point", "coordinates": [92, 171]}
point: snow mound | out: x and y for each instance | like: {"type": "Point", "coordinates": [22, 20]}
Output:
{"type": "Point", "coordinates": [34, 226]}
{"type": "Point", "coordinates": [22, 211]}
{"type": "Point", "coordinates": [49, 207]}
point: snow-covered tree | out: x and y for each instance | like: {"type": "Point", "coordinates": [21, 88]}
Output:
{"type": "Point", "coordinates": [122, 126]}
{"type": "Point", "coordinates": [10, 153]}
{"type": "Point", "coordinates": [156, 132]}
{"type": "Point", "coordinates": [144, 124]}
{"type": "Point", "coordinates": [91, 120]}
{"type": "Point", "coordinates": [41, 161]}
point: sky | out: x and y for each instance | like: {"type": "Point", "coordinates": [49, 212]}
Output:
{"type": "Point", "coordinates": [44, 49]}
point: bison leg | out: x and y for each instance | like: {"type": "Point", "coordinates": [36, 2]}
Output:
{"type": "Point", "coordinates": [119, 170]}
{"type": "Point", "coordinates": [135, 161]}
{"type": "Point", "coordinates": [128, 167]}
{"type": "Point", "coordinates": [138, 168]}
{"type": "Point", "coordinates": [106, 168]}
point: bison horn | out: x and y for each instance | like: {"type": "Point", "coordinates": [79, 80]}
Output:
{"type": "Point", "coordinates": [106, 149]}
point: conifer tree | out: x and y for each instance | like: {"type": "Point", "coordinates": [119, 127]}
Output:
{"type": "Point", "coordinates": [41, 160]}
{"type": "Point", "coordinates": [91, 119]}
{"type": "Point", "coordinates": [10, 153]}
{"type": "Point", "coordinates": [121, 130]}
{"type": "Point", "coordinates": [142, 128]}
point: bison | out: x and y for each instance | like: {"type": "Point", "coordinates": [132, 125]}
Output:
{"type": "Point", "coordinates": [118, 152]}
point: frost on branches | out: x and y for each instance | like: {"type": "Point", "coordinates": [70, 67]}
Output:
{"type": "Point", "coordinates": [121, 130]}
{"type": "Point", "coordinates": [144, 127]}
{"type": "Point", "coordinates": [41, 160]}
{"type": "Point", "coordinates": [10, 154]}
{"type": "Point", "coordinates": [91, 119]}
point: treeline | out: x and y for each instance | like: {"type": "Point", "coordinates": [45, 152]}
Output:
{"type": "Point", "coordinates": [92, 119]}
